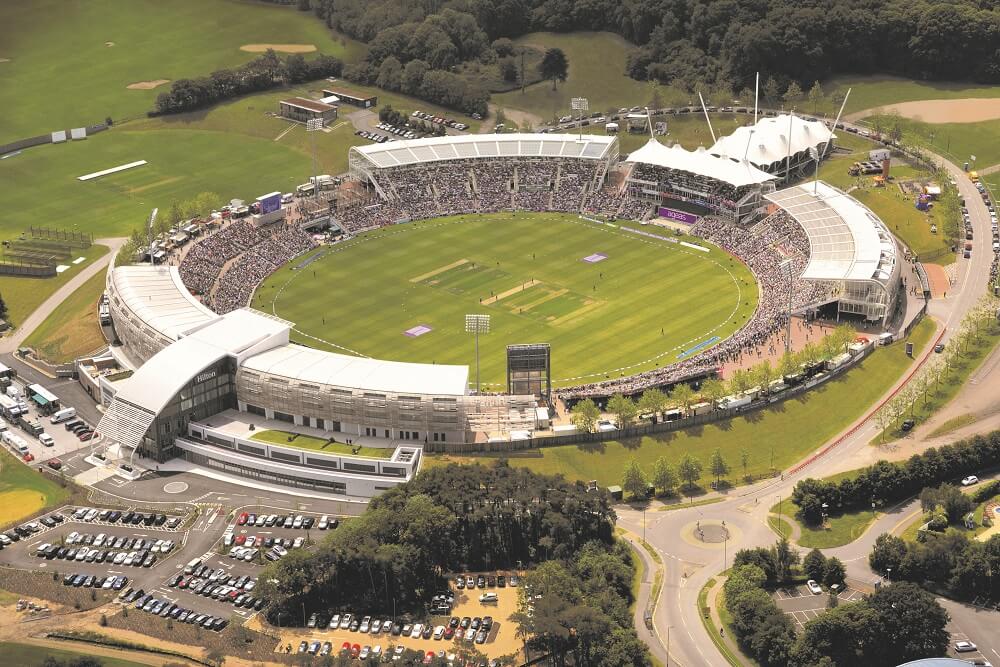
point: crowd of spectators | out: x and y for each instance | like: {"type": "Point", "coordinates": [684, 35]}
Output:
{"type": "Point", "coordinates": [715, 192]}
{"type": "Point", "coordinates": [237, 284]}
{"type": "Point", "coordinates": [201, 265]}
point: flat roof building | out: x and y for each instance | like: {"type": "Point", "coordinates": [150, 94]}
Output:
{"type": "Point", "coordinates": [300, 109]}
{"type": "Point", "coordinates": [352, 97]}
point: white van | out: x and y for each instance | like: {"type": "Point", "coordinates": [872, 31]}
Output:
{"type": "Point", "coordinates": [192, 566]}
{"type": "Point", "coordinates": [63, 415]}
{"type": "Point", "coordinates": [13, 391]}
{"type": "Point", "coordinates": [46, 439]}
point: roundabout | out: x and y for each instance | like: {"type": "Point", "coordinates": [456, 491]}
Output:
{"type": "Point", "coordinates": [611, 299]}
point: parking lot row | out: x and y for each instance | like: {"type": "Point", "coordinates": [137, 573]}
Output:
{"type": "Point", "coordinates": [167, 609]}
{"type": "Point", "coordinates": [125, 517]}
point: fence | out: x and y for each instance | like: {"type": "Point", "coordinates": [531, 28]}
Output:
{"type": "Point", "coordinates": [719, 414]}
{"type": "Point", "coordinates": [41, 139]}
{"type": "Point", "coordinates": [18, 268]}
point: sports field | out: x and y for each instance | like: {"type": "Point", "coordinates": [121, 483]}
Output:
{"type": "Point", "coordinates": [24, 491]}
{"type": "Point", "coordinates": [403, 292]}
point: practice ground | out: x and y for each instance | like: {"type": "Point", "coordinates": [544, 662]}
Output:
{"type": "Point", "coordinates": [644, 305]}
{"type": "Point", "coordinates": [774, 438]}
{"type": "Point", "coordinates": [72, 330]}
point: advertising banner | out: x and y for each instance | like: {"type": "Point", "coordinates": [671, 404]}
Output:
{"type": "Point", "coordinates": [679, 216]}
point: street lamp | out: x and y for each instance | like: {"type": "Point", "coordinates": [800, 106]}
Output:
{"type": "Point", "coordinates": [824, 513]}
{"type": "Point", "coordinates": [477, 324]}
{"type": "Point", "coordinates": [580, 104]}
{"type": "Point", "coordinates": [725, 546]}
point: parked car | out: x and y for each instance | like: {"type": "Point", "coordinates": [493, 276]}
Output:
{"type": "Point", "coordinates": [813, 587]}
{"type": "Point", "coordinates": [970, 480]}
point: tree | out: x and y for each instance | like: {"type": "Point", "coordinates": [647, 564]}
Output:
{"type": "Point", "coordinates": [814, 565]}
{"type": "Point", "coordinates": [554, 66]}
{"type": "Point", "coordinates": [215, 657]}
{"type": "Point", "coordinates": [413, 76]}
{"type": "Point", "coordinates": [713, 390]}
{"type": "Point", "coordinates": [623, 408]}
{"type": "Point", "coordinates": [634, 481]}
{"type": "Point", "coordinates": [683, 395]}
{"type": "Point", "coordinates": [787, 365]}
{"type": "Point", "coordinates": [784, 557]}
{"type": "Point", "coordinates": [390, 74]}
{"type": "Point", "coordinates": [689, 470]}
{"type": "Point", "coordinates": [834, 572]}
{"type": "Point", "coordinates": [909, 624]}
{"type": "Point", "coordinates": [771, 90]}
{"type": "Point", "coordinates": [741, 381]}
{"type": "Point", "coordinates": [887, 554]}
{"type": "Point", "coordinates": [3, 307]}
{"type": "Point", "coordinates": [745, 460]}
{"type": "Point", "coordinates": [815, 97]}
{"type": "Point", "coordinates": [719, 466]}
{"type": "Point", "coordinates": [664, 479]}
{"type": "Point", "coordinates": [653, 401]}
{"type": "Point", "coordinates": [508, 69]}
{"type": "Point", "coordinates": [793, 93]}
{"type": "Point", "coordinates": [584, 415]}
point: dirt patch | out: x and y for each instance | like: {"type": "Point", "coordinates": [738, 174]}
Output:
{"type": "Point", "coordinates": [147, 85]}
{"type": "Point", "coordinates": [280, 48]}
{"type": "Point", "coordinates": [522, 118]}
{"type": "Point", "coordinates": [109, 43]}
{"type": "Point", "coordinates": [4, 60]}
{"type": "Point", "coordinates": [938, 279]}
{"type": "Point", "coordinates": [969, 110]}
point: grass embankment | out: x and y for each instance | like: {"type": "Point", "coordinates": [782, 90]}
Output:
{"type": "Point", "coordinates": [27, 655]}
{"type": "Point", "coordinates": [684, 505]}
{"type": "Point", "coordinates": [525, 271]}
{"type": "Point", "coordinates": [958, 141]}
{"type": "Point", "coordinates": [709, 623]}
{"type": "Point", "coordinates": [780, 526]}
{"type": "Point", "coordinates": [876, 90]}
{"type": "Point", "coordinates": [24, 491]}
{"type": "Point", "coordinates": [941, 394]}
{"type": "Point", "coordinates": [73, 329]}
{"type": "Point", "coordinates": [320, 444]}
{"type": "Point", "coordinates": [840, 529]}
{"type": "Point", "coordinates": [788, 430]}
{"type": "Point", "coordinates": [896, 210]}
{"type": "Point", "coordinates": [92, 51]}
{"type": "Point", "coordinates": [22, 295]}
{"type": "Point", "coordinates": [953, 424]}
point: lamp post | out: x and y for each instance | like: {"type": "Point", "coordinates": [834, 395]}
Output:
{"type": "Point", "coordinates": [888, 571]}
{"type": "Point", "coordinates": [477, 324]}
{"type": "Point", "coordinates": [580, 104]}
{"type": "Point", "coordinates": [824, 513]}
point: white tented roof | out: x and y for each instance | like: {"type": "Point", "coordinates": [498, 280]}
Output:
{"type": "Point", "coordinates": [234, 334]}
{"type": "Point", "coordinates": [699, 162]}
{"type": "Point", "coordinates": [768, 139]}
{"type": "Point", "coordinates": [846, 240]}
{"type": "Point", "coordinates": [305, 364]}
{"type": "Point", "coordinates": [433, 149]}
{"type": "Point", "coordinates": [158, 297]}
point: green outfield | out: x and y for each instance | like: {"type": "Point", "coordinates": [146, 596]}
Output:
{"type": "Point", "coordinates": [643, 306]}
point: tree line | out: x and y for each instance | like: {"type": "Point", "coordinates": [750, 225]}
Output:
{"type": "Point", "coordinates": [699, 43]}
{"type": "Point", "coordinates": [950, 562]}
{"type": "Point", "coordinates": [893, 625]}
{"type": "Point", "coordinates": [886, 482]}
{"type": "Point", "coordinates": [394, 557]}
{"type": "Point", "coordinates": [265, 72]}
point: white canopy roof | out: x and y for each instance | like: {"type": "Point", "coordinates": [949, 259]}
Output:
{"type": "Point", "coordinates": [699, 162]}
{"type": "Point", "coordinates": [306, 364]}
{"type": "Point", "coordinates": [768, 139]}
{"type": "Point", "coordinates": [466, 146]}
{"type": "Point", "coordinates": [846, 240]}
{"type": "Point", "coordinates": [158, 297]}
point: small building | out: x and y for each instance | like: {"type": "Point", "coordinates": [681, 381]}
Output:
{"type": "Point", "coordinates": [300, 109]}
{"type": "Point", "coordinates": [352, 97]}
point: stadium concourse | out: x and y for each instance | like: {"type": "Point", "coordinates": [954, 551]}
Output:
{"type": "Point", "coordinates": [811, 248]}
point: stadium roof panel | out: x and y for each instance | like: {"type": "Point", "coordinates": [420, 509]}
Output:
{"type": "Point", "coordinates": [768, 139]}
{"type": "Point", "coordinates": [846, 240]}
{"type": "Point", "coordinates": [156, 295]}
{"type": "Point", "coordinates": [699, 162]}
{"type": "Point", "coordinates": [305, 364]}
{"type": "Point", "coordinates": [434, 149]}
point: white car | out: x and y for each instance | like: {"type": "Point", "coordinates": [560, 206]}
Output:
{"type": "Point", "coordinates": [397, 654]}
{"type": "Point", "coordinates": [604, 426]}
{"type": "Point", "coordinates": [492, 597]}
{"type": "Point", "coordinates": [345, 621]}
{"type": "Point", "coordinates": [46, 439]}
{"type": "Point", "coordinates": [417, 630]}
{"type": "Point", "coordinates": [970, 480]}
{"type": "Point", "coordinates": [334, 622]}
{"type": "Point", "coordinates": [965, 647]}
{"type": "Point", "coordinates": [439, 632]}
{"type": "Point", "coordinates": [365, 624]}
{"type": "Point", "coordinates": [813, 587]}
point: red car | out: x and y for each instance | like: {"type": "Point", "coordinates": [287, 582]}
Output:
{"type": "Point", "coordinates": [242, 520]}
{"type": "Point", "coordinates": [345, 647]}
{"type": "Point", "coordinates": [355, 650]}
{"type": "Point", "coordinates": [55, 464]}
{"type": "Point", "coordinates": [429, 658]}
{"type": "Point", "coordinates": [29, 457]}
{"type": "Point", "coordinates": [84, 436]}
{"type": "Point", "coordinates": [240, 539]}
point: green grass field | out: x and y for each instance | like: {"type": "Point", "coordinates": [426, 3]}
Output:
{"type": "Point", "coordinates": [23, 295]}
{"type": "Point", "coordinates": [596, 71]}
{"type": "Point", "coordinates": [72, 330]}
{"type": "Point", "coordinates": [898, 212]}
{"type": "Point", "coordinates": [957, 140]}
{"type": "Point", "coordinates": [26, 655]}
{"type": "Point", "coordinates": [320, 444]}
{"type": "Point", "coordinates": [785, 432]}
{"type": "Point", "coordinates": [840, 529]}
{"type": "Point", "coordinates": [872, 91]}
{"type": "Point", "coordinates": [24, 491]}
{"type": "Point", "coordinates": [63, 75]}
{"type": "Point", "coordinates": [601, 319]}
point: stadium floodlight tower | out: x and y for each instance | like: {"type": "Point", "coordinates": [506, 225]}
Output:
{"type": "Point", "coordinates": [149, 234]}
{"type": "Point", "coordinates": [787, 266]}
{"type": "Point", "coordinates": [314, 125]}
{"type": "Point", "coordinates": [580, 104]}
{"type": "Point", "coordinates": [477, 324]}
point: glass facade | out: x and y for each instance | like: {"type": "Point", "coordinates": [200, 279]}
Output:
{"type": "Point", "coordinates": [210, 392]}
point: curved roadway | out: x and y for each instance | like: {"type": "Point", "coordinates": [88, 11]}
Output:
{"type": "Point", "coordinates": [689, 564]}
